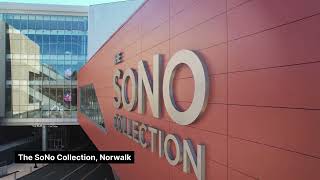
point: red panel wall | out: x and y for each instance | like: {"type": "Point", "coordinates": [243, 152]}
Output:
{"type": "Point", "coordinates": [263, 56]}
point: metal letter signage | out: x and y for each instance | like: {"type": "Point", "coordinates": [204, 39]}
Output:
{"type": "Point", "coordinates": [201, 84]}
{"type": "Point", "coordinates": [117, 100]}
{"type": "Point", "coordinates": [143, 87]}
{"type": "Point", "coordinates": [152, 88]}
{"type": "Point", "coordinates": [129, 105]}
{"type": "Point", "coordinates": [118, 58]}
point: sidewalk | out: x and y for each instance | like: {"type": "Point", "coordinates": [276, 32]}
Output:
{"type": "Point", "coordinates": [16, 143]}
{"type": "Point", "coordinates": [23, 169]}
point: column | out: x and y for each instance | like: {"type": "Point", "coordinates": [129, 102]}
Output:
{"type": "Point", "coordinates": [2, 67]}
{"type": "Point", "coordinates": [44, 138]}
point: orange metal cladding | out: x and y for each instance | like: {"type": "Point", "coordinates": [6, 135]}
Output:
{"type": "Point", "coordinates": [263, 117]}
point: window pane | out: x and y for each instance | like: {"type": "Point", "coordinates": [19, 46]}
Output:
{"type": "Point", "coordinates": [24, 24]}
{"type": "Point", "coordinates": [39, 24]}
{"type": "Point", "coordinates": [68, 25]}
{"type": "Point", "coordinates": [46, 25]}
{"type": "Point", "coordinates": [89, 105]}
{"type": "Point", "coordinates": [61, 25]}
{"type": "Point", "coordinates": [31, 24]}
{"type": "Point", "coordinates": [53, 25]}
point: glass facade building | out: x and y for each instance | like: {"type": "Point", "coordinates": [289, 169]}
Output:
{"type": "Point", "coordinates": [89, 105]}
{"type": "Point", "coordinates": [43, 54]}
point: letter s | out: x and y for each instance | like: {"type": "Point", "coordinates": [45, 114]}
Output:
{"type": "Point", "coordinates": [117, 100]}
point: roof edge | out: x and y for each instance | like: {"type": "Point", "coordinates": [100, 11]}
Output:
{"type": "Point", "coordinates": [43, 7]}
{"type": "Point", "coordinates": [108, 39]}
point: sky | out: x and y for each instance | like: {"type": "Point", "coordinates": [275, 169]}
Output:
{"type": "Point", "coordinates": [63, 2]}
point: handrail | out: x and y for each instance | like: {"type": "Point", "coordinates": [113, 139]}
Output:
{"type": "Point", "coordinates": [9, 174]}
{"type": "Point", "coordinates": [16, 143]}
{"type": "Point", "coordinates": [3, 168]}
{"type": "Point", "coordinates": [3, 163]}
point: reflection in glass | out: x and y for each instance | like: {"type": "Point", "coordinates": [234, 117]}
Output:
{"type": "Point", "coordinates": [89, 105]}
{"type": "Point", "coordinates": [43, 55]}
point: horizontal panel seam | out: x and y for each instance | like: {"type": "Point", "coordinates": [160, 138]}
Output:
{"type": "Point", "coordinates": [275, 147]}
{"type": "Point", "coordinates": [274, 27]}
{"type": "Point", "coordinates": [275, 67]}
{"type": "Point", "coordinates": [239, 171]}
{"type": "Point", "coordinates": [197, 25]}
{"type": "Point", "coordinates": [278, 107]}
{"type": "Point", "coordinates": [241, 4]}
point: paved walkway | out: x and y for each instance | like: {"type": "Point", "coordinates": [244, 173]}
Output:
{"type": "Point", "coordinates": [72, 172]}
{"type": "Point", "coordinates": [21, 169]}
{"type": "Point", "coordinates": [16, 143]}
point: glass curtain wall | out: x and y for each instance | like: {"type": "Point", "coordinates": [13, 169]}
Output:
{"type": "Point", "coordinates": [43, 56]}
{"type": "Point", "coordinates": [89, 105]}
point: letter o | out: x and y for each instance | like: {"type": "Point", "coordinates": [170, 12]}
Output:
{"type": "Point", "coordinates": [201, 84]}
{"type": "Point", "coordinates": [129, 105]}
{"type": "Point", "coordinates": [167, 151]}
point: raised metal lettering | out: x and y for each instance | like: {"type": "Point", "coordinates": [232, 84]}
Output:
{"type": "Point", "coordinates": [117, 100]}
{"type": "Point", "coordinates": [152, 87]}
{"type": "Point", "coordinates": [167, 150]}
{"type": "Point", "coordinates": [129, 105]}
{"type": "Point", "coordinates": [201, 85]}
{"type": "Point", "coordinates": [197, 161]}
